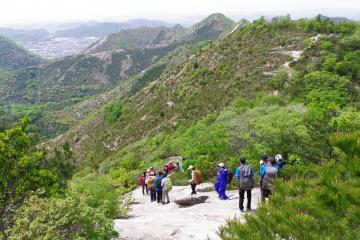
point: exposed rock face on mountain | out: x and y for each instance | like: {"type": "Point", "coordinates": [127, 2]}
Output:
{"type": "Point", "coordinates": [201, 221]}
{"type": "Point", "coordinates": [15, 57]}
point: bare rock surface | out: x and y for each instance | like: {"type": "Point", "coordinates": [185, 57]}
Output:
{"type": "Point", "coordinates": [200, 222]}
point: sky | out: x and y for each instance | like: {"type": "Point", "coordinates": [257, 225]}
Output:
{"type": "Point", "coordinates": [41, 11]}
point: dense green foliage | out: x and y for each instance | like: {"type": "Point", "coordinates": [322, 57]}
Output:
{"type": "Point", "coordinates": [319, 202]}
{"type": "Point", "coordinates": [38, 201]}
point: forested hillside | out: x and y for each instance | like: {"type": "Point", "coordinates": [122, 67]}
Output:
{"type": "Point", "coordinates": [56, 86]}
{"type": "Point", "coordinates": [15, 57]}
{"type": "Point", "coordinates": [268, 87]}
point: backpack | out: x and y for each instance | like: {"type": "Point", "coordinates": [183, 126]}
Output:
{"type": "Point", "coordinates": [270, 175]}
{"type": "Point", "coordinates": [246, 179]}
{"type": "Point", "coordinates": [158, 183]}
{"type": "Point", "coordinates": [151, 182]}
{"type": "Point", "coordinates": [168, 183]}
{"type": "Point", "coordinates": [229, 176]}
{"type": "Point", "coordinates": [197, 177]}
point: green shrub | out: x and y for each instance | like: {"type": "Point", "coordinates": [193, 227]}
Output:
{"type": "Point", "coordinates": [113, 112]}
{"type": "Point", "coordinates": [61, 218]}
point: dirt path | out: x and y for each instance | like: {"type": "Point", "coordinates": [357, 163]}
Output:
{"type": "Point", "coordinates": [159, 222]}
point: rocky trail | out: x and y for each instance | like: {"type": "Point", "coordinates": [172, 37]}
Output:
{"type": "Point", "coordinates": [159, 222]}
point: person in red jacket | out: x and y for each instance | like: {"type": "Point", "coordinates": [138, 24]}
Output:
{"type": "Point", "coordinates": [142, 182]}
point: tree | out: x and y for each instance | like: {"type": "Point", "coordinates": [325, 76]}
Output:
{"type": "Point", "coordinates": [20, 172]}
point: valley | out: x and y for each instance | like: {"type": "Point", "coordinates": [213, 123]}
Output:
{"type": "Point", "coordinates": [85, 110]}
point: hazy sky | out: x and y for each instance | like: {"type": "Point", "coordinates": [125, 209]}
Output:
{"type": "Point", "coordinates": [28, 11]}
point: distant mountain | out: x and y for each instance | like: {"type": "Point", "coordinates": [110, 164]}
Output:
{"type": "Point", "coordinates": [211, 27]}
{"type": "Point", "coordinates": [21, 35]}
{"type": "Point", "coordinates": [140, 22]}
{"type": "Point", "coordinates": [13, 56]}
{"type": "Point", "coordinates": [89, 30]}
{"type": "Point", "coordinates": [95, 29]}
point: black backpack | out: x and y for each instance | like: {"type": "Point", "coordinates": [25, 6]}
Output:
{"type": "Point", "coordinates": [229, 176]}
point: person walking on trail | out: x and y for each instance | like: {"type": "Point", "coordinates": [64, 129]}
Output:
{"type": "Point", "coordinates": [263, 162]}
{"type": "Point", "coordinates": [271, 172]}
{"type": "Point", "coordinates": [166, 188]}
{"type": "Point", "coordinates": [158, 187]}
{"type": "Point", "coordinates": [195, 179]}
{"type": "Point", "coordinates": [222, 181]}
{"type": "Point", "coordinates": [142, 182]}
{"type": "Point", "coordinates": [245, 176]}
{"type": "Point", "coordinates": [150, 183]}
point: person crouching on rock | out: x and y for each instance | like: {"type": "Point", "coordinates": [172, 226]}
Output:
{"type": "Point", "coordinates": [195, 179]}
{"type": "Point", "coordinates": [158, 187]}
{"type": "Point", "coordinates": [222, 181]}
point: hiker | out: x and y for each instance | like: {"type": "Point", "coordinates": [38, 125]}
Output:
{"type": "Point", "coordinates": [271, 172]}
{"type": "Point", "coordinates": [279, 161]}
{"type": "Point", "coordinates": [245, 176]}
{"type": "Point", "coordinates": [263, 161]}
{"type": "Point", "coordinates": [195, 179]}
{"type": "Point", "coordinates": [150, 182]}
{"type": "Point", "coordinates": [222, 181]}
{"type": "Point", "coordinates": [152, 171]}
{"type": "Point", "coordinates": [166, 168]}
{"type": "Point", "coordinates": [171, 166]}
{"type": "Point", "coordinates": [158, 187]}
{"type": "Point", "coordinates": [166, 187]}
{"type": "Point", "coordinates": [142, 182]}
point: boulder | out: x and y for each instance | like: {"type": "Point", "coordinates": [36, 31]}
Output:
{"type": "Point", "coordinates": [190, 201]}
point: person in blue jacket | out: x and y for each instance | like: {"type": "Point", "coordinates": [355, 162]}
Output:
{"type": "Point", "coordinates": [158, 187]}
{"type": "Point", "coordinates": [263, 162]}
{"type": "Point", "coordinates": [222, 182]}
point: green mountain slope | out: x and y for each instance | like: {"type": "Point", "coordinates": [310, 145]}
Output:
{"type": "Point", "coordinates": [57, 85]}
{"type": "Point", "coordinates": [239, 65]}
{"type": "Point", "coordinates": [15, 57]}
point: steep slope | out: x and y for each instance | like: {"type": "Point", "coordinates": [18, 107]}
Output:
{"type": "Point", "coordinates": [52, 88]}
{"type": "Point", "coordinates": [239, 65]}
{"type": "Point", "coordinates": [15, 57]}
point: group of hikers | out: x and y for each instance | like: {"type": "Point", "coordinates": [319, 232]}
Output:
{"type": "Point", "coordinates": [159, 184]}
{"type": "Point", "coordinates": [269, 168]}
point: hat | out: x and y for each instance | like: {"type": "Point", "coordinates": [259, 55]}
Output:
{"type": "Point", "coordinates": [190, 167]}
{"type": "Point", "coordinates": [278, 157]}
{"type": "Point", "coordinates": [264, 157]}
{"type": "Point", "coordinates": [221, 165]}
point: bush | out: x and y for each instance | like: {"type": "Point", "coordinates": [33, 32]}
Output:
{"type": "Point", "coordinates": [66, 218]}
{"type": "Point", "coordinates": [113, 112]}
